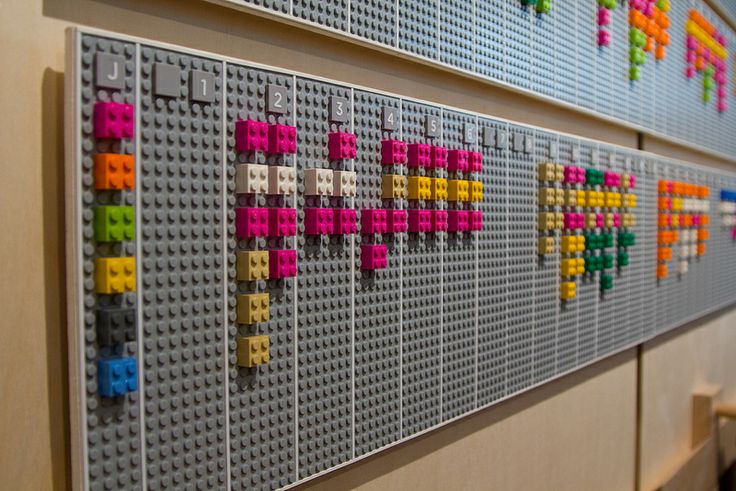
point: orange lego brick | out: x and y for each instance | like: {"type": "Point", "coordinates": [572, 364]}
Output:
{"type": "Point", "coordinates": [114, 171]}
{"type": "Point", "coordinates": [664, 254]}
{"type": "Point", "coordinates": [704, 219]}
{"type": "Point", "coordinates": [665, 203]}
{"type": "Point", "coordinates": [686, 220]}
{"type": "Point", "coordinates": [661, 271]}
{"type": "Point", "coordinates": [701, 249]}
{"type": "Point", "coordinates": [664, 220]}
{"type": "Point", "coordinates": [703, 235]}
{"type": "Point", "coordinates": [663, 186]}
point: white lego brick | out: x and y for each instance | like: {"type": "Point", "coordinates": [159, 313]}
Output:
{"type": "Point", "coordinates": [281, 180]}
{"type": "Point", "coordinates": [682, 267]}
{"type": "Point", "coordinates": [318, 182]}
{"type": "Point", "coordinates": [251, 178]}
{"type": "Point", "coordinates": [345, 183]}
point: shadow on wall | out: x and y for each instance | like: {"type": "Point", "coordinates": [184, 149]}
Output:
{"type": "Point", "coordinates": [54, 267]}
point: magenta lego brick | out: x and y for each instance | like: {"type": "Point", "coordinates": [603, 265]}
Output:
{"type": "Point", "coordinates": [420, 221]}
{"type": "Point", "coordinates": [114, 120]}
{"type": "Point", "coordinates": [396, 221]}
{"type": "Point", "coordinates": [438, 157]}
{"type": "Point", "coordinates": [574, 220]}
{"type": "Point", "coordinates": [476, 220]}
{"type": "Point", "coordinates": [281, 139]}
{"type": "Point", "coordinates": [281, 222]}
{"type": "Point", "coordinates": [345, 221]}
{"type": "Point", "coordinates": [457, 160]}
{"type": "Point", "coordinates": [458, 220]}
{"type": "Point", "coordinates": [611, 179]}
{"type": "Point", "coordinates": [476, 162]}
{"type": "Point", "coordinates": [393, 152]}
{"type": "Point", "coordinates": [439, 220]}
{"type": "Point", "coordinates": [251, 222]}
{"type": "Point", "coordinates": [341, 145]}
{"type": "Point", "coordinates": [282, 263]}
{"type": "Point", "coordinates": [251, 136]}
{"type": "Point", "coordinates": [319, 221]}
{"type": "Point", "coordinates": [373, 256]}
{"type": "Point", "coordinates": [373, 221]}
{"type": "Point", "coordinates": [419, 155]}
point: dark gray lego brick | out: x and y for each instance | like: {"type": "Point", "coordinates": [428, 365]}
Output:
{"type": "Point", "coordinates": [261, 399]}
{"type": "Point", "coordinates": [183, 297]}
{"type": "Point", "coordinates": [113, 426]}
{"type": "Point", "coordinates": [324, 301]}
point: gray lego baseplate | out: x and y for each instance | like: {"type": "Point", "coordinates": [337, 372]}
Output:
{"type": "Point", "coordinates": [194, 367]}
{"type": "Point", "coordinates": [555, 55]}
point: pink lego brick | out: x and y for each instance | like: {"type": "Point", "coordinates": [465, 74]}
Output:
{"type": "Point", "coordinates": [345, 221]}
{"type": "Point", "coordinates": [611, 179]}
{"type": "Point", "coordinates": [373, 256]}
{"type": "Point", "coordinates": [604, 16]}
{"type": "Point", "coordinates": [696, 220]}
{"type": "Point", "coordinates": [476, 161]}
{"type": "Point", "coordinates": [420, 221]}
{"type": "Point", "coordinates": [341, 145]}
{"type": "Point", "coordinates": [438, 157]}
{"type": "Point", "coordinates": [114, 120]}
{"type": "Point", "coordinates": [281, 139]}
{"type": "Point", "coordinates": [373, 221]}
{"type": "Point", "coordinates": [396, 221]}
{"type": "Point", "coordinates": [616, 220]}
{"type": "Point", "coordinates": [282, 263]}
{"type": "Point", "coordinates": [570, 220]}
{"type": "Point", "coordinates": [691, 43]}
{"type": "Point", "coordinates": [599, 220]}
{"type": "Point", "coordinates": [281, 222]}
{"type": "Point", "coordinates": [689, 72]}
{"type": "Point", "coordinates": [604, 38]}
{"type": "Point", "coordinates": [439, 220]}
{"type": "Point", "coordinates": [722, 106]}
{"type": "Point", "coordinates": [632, 181]}
{"type": "Point", "coordinates": [581, 175]}
{"type": "Point", "coordinates": [733, 233]}
{"type": "Point", "coordinates": [457, 160]}
{"type": "Point", "coordinates": [393, 152]}
{"type": "Point", "coordinates": [418, 155]}
{"type": "Point", "coordinates": [458, 220]}
{"type": "Point", "coordinates": [476, 220]}
{"type": "Point", "coordinates": [318, 221]}
{"type": "Point", "coordinates": [251, 136]}
{"type": "Point", "coordinates": [251, 222]}
{"type": "Point", "coordinates": [571, 174]}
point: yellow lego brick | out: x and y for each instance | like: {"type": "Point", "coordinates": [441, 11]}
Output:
{"type": "Point", "coordinates": [438, 188]}
{"type": "Point", "coordinates": [419, 187]}
{"type": "Point", "coordinates": [458, 190]}
{"type": "Point", "coordinates": [547, 171]}
{"type": "Point", "coordinates": [546, 221]}
{"type": "Point", "coordinates": [625, 179]}
{"type": "Point", "coordinates": [676, 204]}
{"type": "Point", "coordinates": [608, 219]}
{"type": "Point", "coordinates": [572, 244]}
{"type": "Point", "coordinates": [581, 197]}
{"type": "Point", "coordinates": [559, 172]}
{"type": "Point", "coordinates": [547, 196]}
{"type": "Point", "coordinates": [570, 197]}
{"type": "Point", "coordinates": [612, 200]}
{"type": "Point", "coordinates": [252, 308]}
{"type": "Point", "coordinates": [559, 220]}
{"type": "Point", "coordinates": [114, 274]}
{"type": "Point", "coordinates": [628, 220]}
{"type": "Point", "coordinates": [598, 198]}
{"type": "Point", "coordinates": [252, 265]}
{"type": "Point", "coordinates": [675, 220]}
{"type": "Point", "coordinates": [253, 350]}
{"type": "Point", "coordinates": [393, 186]}
{"type": "Point", "coordinates": [590, 220]}
{"type": "Point", "coordinates": [571, 267]}
{"type": "Point", "coordinates": [568, 290]}
{"type": "Point", "coordinates": [546, 245]}
{"type": "Point", "coordinates": [630, 200]}
{"type": "Point", "coordinates": [476, 191]}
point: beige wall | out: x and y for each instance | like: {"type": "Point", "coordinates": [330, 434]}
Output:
{"type": "Point", "coordinates": [575, 433]}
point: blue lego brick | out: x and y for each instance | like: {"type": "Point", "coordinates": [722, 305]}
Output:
{"type": "Point", "coordinates": [117, 376]}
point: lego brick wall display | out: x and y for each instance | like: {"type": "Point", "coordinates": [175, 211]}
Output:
{"type": "Point", "coordinates": [277, 275]}
{"type": "Point", "coordinates": [620, 59]}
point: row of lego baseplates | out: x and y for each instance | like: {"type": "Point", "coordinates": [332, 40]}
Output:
{"type": "Point", "coordinates": [373, 347]}
{"type": "Point", "coordinates": [582, 52]}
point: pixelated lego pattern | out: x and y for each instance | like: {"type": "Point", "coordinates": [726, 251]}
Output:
{"type": "Point", "coordinates": [589, 54]}
{"type": "Point", "coordinates": [323, 359]}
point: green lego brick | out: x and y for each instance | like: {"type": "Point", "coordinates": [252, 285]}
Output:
{"type": "Point", "coordinates": [607, 240]}
{"type": "Point", "coordinates": [622, 259]}
{"type": "Point", "coordinates": [606, 282]}
{"type": "Point", "coordinates": [626, 239]}
{"type": "Point", "coordinates": [114, 223]}
{"type": "Point", "coordinates": [593, 176]}
{"type": "Point", "coordinates": [607, 261]}
{"type": "Point", "coordinates": [544, 6]}
{"type": "Point", "coordinates": [593, 264]}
